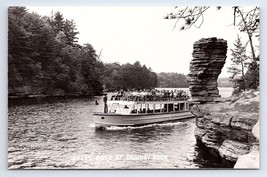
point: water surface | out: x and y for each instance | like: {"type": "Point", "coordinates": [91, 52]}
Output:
{"type": "Point", "coordinates": [53, 133]}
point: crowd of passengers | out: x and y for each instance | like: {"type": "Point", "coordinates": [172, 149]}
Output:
{"type": "Point", "coordinates": [150, 95]}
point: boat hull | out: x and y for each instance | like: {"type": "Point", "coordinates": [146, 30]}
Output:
{"type": "Point", "coordinates": [108, 119]}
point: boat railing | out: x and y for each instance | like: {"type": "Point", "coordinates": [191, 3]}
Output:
{"type": "Point", "coordinates": [148, 98]}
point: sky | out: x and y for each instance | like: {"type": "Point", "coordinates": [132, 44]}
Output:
{"type": "Point", "coordinates": [132, 33]}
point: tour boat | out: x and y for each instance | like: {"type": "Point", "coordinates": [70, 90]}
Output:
{"type": "Point", "coordinates": [122, 112]}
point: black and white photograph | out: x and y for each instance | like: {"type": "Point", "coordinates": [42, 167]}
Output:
{"type": "Point", "coordinates": [133, 87]}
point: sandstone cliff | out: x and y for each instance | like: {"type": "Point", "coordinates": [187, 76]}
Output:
{"type": "Point", "coordinates": [209, 56]}
{"type": "Point", "coordinates": [225, 128]}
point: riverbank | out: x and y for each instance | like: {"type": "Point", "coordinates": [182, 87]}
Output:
{"type": "Point", "coordinates": [43, 99]}
{"type": "Point", "coordinates": [224, 128]}
{"type": "Point", "coordinates": [50, 96]}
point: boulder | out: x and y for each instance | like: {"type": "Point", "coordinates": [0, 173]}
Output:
{"type": "Point", "coordinates": [252, 159]}
{"type": "Point", "coordinates": [256, 131]}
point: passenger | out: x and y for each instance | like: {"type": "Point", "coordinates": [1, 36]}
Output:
{"type": "Point", "coordinates": [105, 99]}
{"type": "Point", "coordinates": [142, 96]}
{"type": "Point", "coordinates": [150, 95]}
{"type": "Point", "coordinates": [126, 95]}
{"type": "Point", "coordinates": [120, 94]}
{"type": "Point", "coordinates": [149, 110]}
{"type": "Point", "coordinates": [144, 110]}
{"type": "Point", "coordinates": [113, 97]}
{"type": "Point", "coordinates": [171, 95]}
{"type": "Point", "coordinates": [96, 102]}
{"type": "Point", "coordinates": [134, 111]}
{"type": "Point", "coordinates": [184, 95]}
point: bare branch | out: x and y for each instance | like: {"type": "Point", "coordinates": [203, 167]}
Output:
{"type": "Point", "coordinates": [201, 21]}
{"type": "Point", "coordinates": [179, 18]}
{"type": "Point", "coordinates": [191, 16]}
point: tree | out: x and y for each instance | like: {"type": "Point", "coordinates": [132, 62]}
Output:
{"type": "Point", "coordinates": [252, 75]}
{"type": "Point", "coordinates": [44, 57]}
{"type": "Point", "coordinates": [65, 30]}
{"type": "Point", "coordinates": [172, 80]}
{"type": "Point", "coordinates": [23, 68]}
{"type": "Point", "coordinates": [128, 76]}
{"type": "Point", "coordinates": [111, 76]}
{"type": "Point", "coordinates": [248, 21]}
{"type": "Point", "coordinates": [238, 65]}
{"type": "Point", "coordinates": [90, 70]}
{"type": "Point", "coordinates": [57, 22]}
{"type": "Point", "coordinates": [70, 32]}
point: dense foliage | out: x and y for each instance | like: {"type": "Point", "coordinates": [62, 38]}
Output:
{"type": "Point", "coordinates": [128, 76]}
{"type": "Point", "coordinates": [44, 57]}
{"type": "Point", "coordinates": [252, 76]}
{"type": "Point", "coordinates": [172, 80]}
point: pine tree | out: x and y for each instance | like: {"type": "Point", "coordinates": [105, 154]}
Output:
{"type": "Point", "coordinates": [238, 65]}
{"type": "Point", "coordinates": [58, 22]}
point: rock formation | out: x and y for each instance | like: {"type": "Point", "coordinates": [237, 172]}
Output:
{"type": "Point", "coordinates": [227, 129]}
{"type": "Point", "coordinates": [209, 56]}
{"type": "Point", "coordinates": [252, 159]}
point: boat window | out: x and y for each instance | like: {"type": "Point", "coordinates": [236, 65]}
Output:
{"type": "Point", "coordinates": [182, 106]}
{"type": "Point", "coordinates": [114, 107]}
{"type": "Point", "coordinates": [165, 108]}
{"type": "Point", "coordinates": [123, 109]}
{"type": "Point", "coordinates": [170, 107]}
{"type": "Point", "coordinates": [134, 110]}
{"type": "Point", "coordinates": [109, 106]}
{"type": "Point", "coordinates": [157, 107]}
{"type": "Point", "coordinates": [176, 107]}
{"type": "Point", "coordinates": [140, 108]}
{"type": "Point", "coordinates": [149, 108]}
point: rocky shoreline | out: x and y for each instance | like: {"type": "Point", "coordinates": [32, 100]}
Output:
{"type": "Point", "coordinates": [229, 129]}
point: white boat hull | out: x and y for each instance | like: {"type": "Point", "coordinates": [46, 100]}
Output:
{"type": "Point", "coordinates": [108, 119]}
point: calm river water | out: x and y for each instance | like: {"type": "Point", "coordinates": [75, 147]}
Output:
{"type": "Point", "coordinates": [60, 134]}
